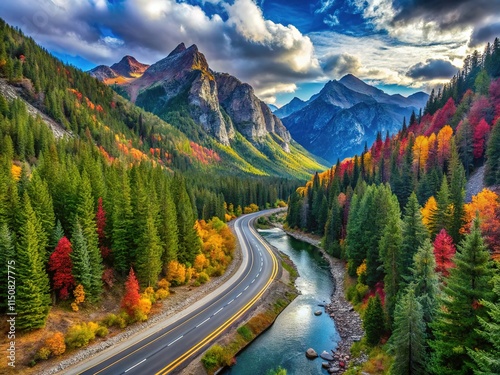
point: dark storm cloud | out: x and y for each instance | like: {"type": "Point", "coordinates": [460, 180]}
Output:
{"type": "Point", "coordinates": [484, 34]}
{"type": "Point", "coordinates": [432, 69]}
{"type": "Point", "coordinates": [338, 65]}
{"type": "Point", "coordinates": [448, 14]}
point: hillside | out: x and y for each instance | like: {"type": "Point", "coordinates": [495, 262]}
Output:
{"type": "Point", "coordinates": [346, 114]}
{"type": "Point", "coordinates": [418, 251]}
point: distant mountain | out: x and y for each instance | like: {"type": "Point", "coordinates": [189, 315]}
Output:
{"type": "Point", "coordinates": [336, 122]}
{"type": "Point", "coordinates": [119, 73]}
{"type": "Point", "coordinates": [272, 107]}
{"type": "Point", "coordinates": [294, 105]}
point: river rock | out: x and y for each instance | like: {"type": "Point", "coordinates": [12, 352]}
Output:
{"type": "Point", "coordinates": [318, 313]}
{"type": "Point", "coordinates": [333, 370]}
{"type": "Point", "coordinates": [326, 356]}
{"type": "Point", "coordinates": [311, 353]}
{"type": "Point", "coordinates": [325, 365]}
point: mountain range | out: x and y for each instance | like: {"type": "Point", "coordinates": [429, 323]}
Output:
{"type": "Point", "coordinates": [339, 120]}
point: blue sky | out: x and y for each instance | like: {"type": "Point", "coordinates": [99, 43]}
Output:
{"type": "Point", "coordinates": [283, 48]}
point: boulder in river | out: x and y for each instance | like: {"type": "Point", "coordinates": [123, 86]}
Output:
{"type": "Point", "coordinates": [311, 353]}
{"type": "Point", "coordinates": [326, 356]}
{"type": "Point", "coordinates": [318, 312]}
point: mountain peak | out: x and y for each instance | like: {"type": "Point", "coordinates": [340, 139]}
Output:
{"type": "Point", "coordinates": [180, 48]}
{"type": "Point", "coordinates": [129, 67]}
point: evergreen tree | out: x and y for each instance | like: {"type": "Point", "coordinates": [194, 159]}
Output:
{"type": "Point", "coordinates": [455, 323]}
{"type": "Point", "coordinates": [32, 282]}
{"type": "Point", "coordinates": [122, 224]}
{"type": "Point", "coordinates": [488, 361]}
{"type": "Point", "coordinates": [7, 257]}
{"type": "Point", "coordinates": [414, 235]}
{"type": "Point", "coordinates": [333, 229]}
{"type": "Point", "coordinates": [57, 234]}
{"type": "Point", "coordinates": [407, 342]}
{"type": "Point", "coordinates": [440, 217]}
{"type": "Point", "coordinates": [425, 281]}
{"type": "Point", "coordinates": [373, 322]}
{"type": "Point", "coordinates": [80, 257]}
{"type": "Point", "coordinates": [457, 194]}
{"type": "Point", "coordinates": [390, 253]}
{"type": "Point", "coordinates": [492, 172]}
{"type": "Point", "coordinates": [148, 262]}
{"type": "Point", "coordinates": [86, 216]}
{"type": "Point", "coordinates": [168, 230]}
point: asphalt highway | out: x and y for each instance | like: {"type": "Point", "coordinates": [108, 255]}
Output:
{"type": "Point", "coordinates": [170, 348]}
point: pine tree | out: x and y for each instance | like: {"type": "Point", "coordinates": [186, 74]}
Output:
{"type": "Point", "coordinates": [488, 361]}
{"type": "Point", "coordinates": [373, 322]}
{"type": "Point", "coordinates": [7, 257]}
{"type": "Point", "coordinates": [457, 194]}
{"type": "Point", "coordinates": [122, 224]}
{"type": "Point", "coordinates": [57, 234]}
{"type": "Point", "coordinates": [414, 235]}
{"type": "Point", "coordinates": [148, 262]}
{"type": "Point", "coordinates": [425, 280]}
{"type": "Point", "coordinates": [168, 230]}
{"type": "Point", "coordinates": [32, 289]}
{"type": "Point", "coordinates": [86, 216]}
{"type": "Point", "coordinates": [492, 172]}
{"type": "Point", "coordinates": [456, 320]}
{"type": "Point", "coordinates": [333, 229]}
{"type": "Point", "coordinates": [440, 217]}
{"type": "Point", "coordinates": [80, 258]}
{"type": "Point", "coordinates": [390, 253]}
{"type": "Point", "coordinates": [407, 342]}
{"type": "Point", "coordinates": [60, 264]}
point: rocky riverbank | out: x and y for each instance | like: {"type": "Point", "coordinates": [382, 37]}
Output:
{"type": "Point", "coordinates": [347, 320]}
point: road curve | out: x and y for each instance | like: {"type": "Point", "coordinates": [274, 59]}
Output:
{"type": "Point", "coordinates": [190, 333]}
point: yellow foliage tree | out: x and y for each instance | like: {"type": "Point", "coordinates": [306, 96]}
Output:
{"type": "Point", "coordinates": [443, 140]}
{"type": "Point", "coordinates": [420, 153]}
{"type": "Point", "coordinates": [176, 273]}
{"type": "Point", "coordinates": [79, 294]}
{"type": "Point", "coordinates": [56, 344]}
{"type": "Point", "coordinates": [429, 207]}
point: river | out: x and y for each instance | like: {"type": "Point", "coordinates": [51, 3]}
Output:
{"type": "Point", "coordinates": [297, 328]}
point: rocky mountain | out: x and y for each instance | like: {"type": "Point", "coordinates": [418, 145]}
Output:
{"type": "Point", "coordinates": [294, 105]}
{"type": "Point", "coordinates": [121, 72]}
{"type": "Point", "coordinates": [336, 122]}
{"type": "Point", "coordinates": [272, 107]}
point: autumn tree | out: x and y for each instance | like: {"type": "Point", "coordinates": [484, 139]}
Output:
{"type": "Point", "coordinates": [481, 133]}
{"type": "Point", "coordinates": [61, 266]}
{"type": "Point", "coordinates": [132, 297]}
{"type": "Point", "coordinates": [100, 218]}
{"type": "Point", "coordinates": [444, 251]}
{"type": "Point", "coordinates": [456, 320]}
{"type": "Point", "coordinates": [408, 340]}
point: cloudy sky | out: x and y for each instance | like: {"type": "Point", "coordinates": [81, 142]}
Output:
{"type": "Point", "coordinates": [283, 48]}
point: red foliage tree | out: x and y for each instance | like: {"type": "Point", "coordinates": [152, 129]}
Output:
{"type": "Point", "coordinates": [481, 133]}
{"type": "Point", "coordinates": [481, 108]}
{"type": "Point", "coordinates": [494, 92]}
{"type": "Point", "coordinates": [442, 117]}
{"type": "Point", "coordinates": [444, 250]}
{"type": "Point", "coordinates": [132, 297]}
{"type": "Point", "coordinates": [101, 229]}
{"type": "Point", "coordinates": [60, 263]}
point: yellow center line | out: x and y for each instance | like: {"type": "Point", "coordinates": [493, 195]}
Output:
{"type": "Point", "coordinates": [231, 320]}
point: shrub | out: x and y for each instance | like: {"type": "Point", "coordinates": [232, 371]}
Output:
{"type": "Point", "coordinates": [149, 293]}
{"type": "Point", "coordinates": [101, 331]}
{"type": "Point", "coordinates": [80, 335]}
{"type": "Point", "coordinates": [214, 358]}
{"type": "Point", "coordinates": [109, 320]}
{"type": "Point", "coordinates": [42, 353]}
{"type": "Point", "coordinates": [55, 343]}
{"type": "Point", "coordinates": [203, 278]}
{"type": "Point", "coordinates": [245, 332]}
{"type": "Point", "coordinates": [162, 294]}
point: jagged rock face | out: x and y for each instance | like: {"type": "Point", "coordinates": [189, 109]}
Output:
{"type": "Point", "coordinates": [129, 67]}
{"type": "Point", "coordinates": [103, 73]}
{"type": "Point", "coordinates": [251, 116]}
{"type": "Point", "coordinates": [185, 72]}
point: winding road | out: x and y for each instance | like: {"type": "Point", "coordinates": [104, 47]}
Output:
{"type": "Point", "coordinates": [195, 328]}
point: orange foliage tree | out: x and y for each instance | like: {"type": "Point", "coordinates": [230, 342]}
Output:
{"type": "Point", "coordinates": [132, 297]}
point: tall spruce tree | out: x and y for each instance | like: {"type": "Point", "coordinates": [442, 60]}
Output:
{"type": "Point", "coordinates": [440, 217]}
{"type": "Point", "coordinates": [32, 289]}
{"type": "Point", "coordinates": [492, 172]}
{"type": "Point", "coordinates": [374, 321]}
{"type": "Point", "coordinates": [414, 235]}
{"type": "Point", "coordinates": [148, 260]}
{"type": "Point", "coordinates": [425, 281]}
{"type": "Point", "coordinates": [390, 253]}
{"type": "Point", "coordinates": [333, 229]}
{"type": "Point", "coordinates": [80, 257]}
{"type": "Point", "coordinates": [86, 215]}
{"type": "Point", "coordinates": [407, 342]}
{"type": "Point", "coordinates": [457, 194]}
{"type": "Point", "coordinates": [168, 230]}
{"type": "Point", "coordinates": [455, 322]}
{"type": "Point", "coordinates": [487, 361]}
{"type": "Point", "coordinates": [7, 257]}
{"type": "Point", "coordinates": [122, 225]}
